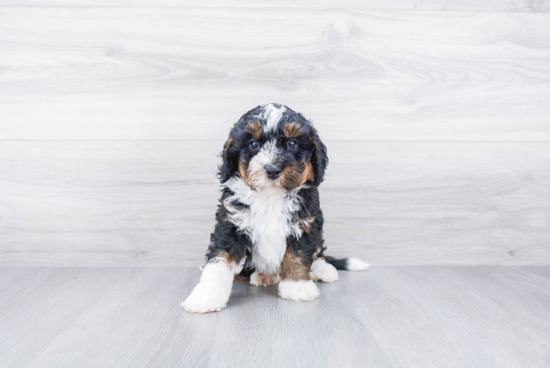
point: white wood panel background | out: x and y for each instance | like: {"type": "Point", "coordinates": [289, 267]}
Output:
{"type": "Point", "coordinates": [437, 122]}
{"type": "Point", "coordinates": [127, 73]}
{"type": "Point", "coordinates": [392, 203]}
{"type": "Point", "coordinates": [537, 6]}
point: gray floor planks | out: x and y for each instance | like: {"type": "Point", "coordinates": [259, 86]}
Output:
{"type": "Point", "coordinates": [398, 317]}
{"type": "Point", "coordinates": [14, 274]}
{"type": "Point", "coordinates": [188, 73]}
{"type": "Point", "coordinates": [36, 308]}
{"type": "Point", "coordinates": [391, 203]}
{"type": "Point", "coordinates": [438, 313]}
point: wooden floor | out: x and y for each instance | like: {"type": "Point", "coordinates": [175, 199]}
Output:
{"type": "Point", "coordinates": [386, 317]}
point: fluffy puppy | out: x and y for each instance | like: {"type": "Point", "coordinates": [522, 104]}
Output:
{"type": "Point", "coordinates": [269, 222]}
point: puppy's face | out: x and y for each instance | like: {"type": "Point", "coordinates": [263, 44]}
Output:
{"type": "Point", "coordinates": [277, 158]}
{"type": "Point", "coordinates": [273, 148]}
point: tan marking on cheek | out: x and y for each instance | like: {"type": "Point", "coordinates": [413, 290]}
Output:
{"type": "Point", "coordinates": [307, 174]}
{"type": "Point", "coordinates": [255, 129]}
{"type": "Point", "coordinates": [242, 172]}
{"type": "Point", "coordinates": [293, 268]}
{"type": "Point", "coordinates": [293, 130]}
{"type": "Point", "coordinates": [255, 176]}
{"type": "Point", "coordinates": [290, 177]}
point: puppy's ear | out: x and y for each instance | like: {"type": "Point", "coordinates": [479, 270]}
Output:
{"type": "Point", "coordinates": [230, 158]}
{"type": "Point", "coordinates": [319, 158]}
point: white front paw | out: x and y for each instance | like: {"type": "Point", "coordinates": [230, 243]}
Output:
{"type": "Point", "coordinates": [206, 298]}
{"type": "Point", "coordinates": [303, 290]}
{"type": "Point", "coordinates": [323, 271]}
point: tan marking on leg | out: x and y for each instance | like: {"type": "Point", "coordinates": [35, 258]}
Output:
{"type": "Point", "coordinates": [293, 268]}
{"type": "Point", "coordinates": [293, 130]}
{"type": "Point", "coordinates": [231, 262]}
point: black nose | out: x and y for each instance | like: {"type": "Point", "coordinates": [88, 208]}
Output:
{"type": "Point", "coordinates": [272, 172]}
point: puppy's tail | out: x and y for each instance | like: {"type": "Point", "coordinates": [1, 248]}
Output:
{"type": "Point", "coordinates": [349, 264]}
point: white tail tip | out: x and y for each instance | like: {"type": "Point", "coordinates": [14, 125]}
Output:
{"type": "Point", "coordinates": [355, 264]}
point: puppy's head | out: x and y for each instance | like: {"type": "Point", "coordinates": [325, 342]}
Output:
{"type": "Point", "coordinates": [274, 148]}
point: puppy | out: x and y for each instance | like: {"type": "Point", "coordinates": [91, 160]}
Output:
{"type": "Point", "coordinates": [269, 223]}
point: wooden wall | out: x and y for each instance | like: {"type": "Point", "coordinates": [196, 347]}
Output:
{"type": "Point", "coordinates": [436, 115]}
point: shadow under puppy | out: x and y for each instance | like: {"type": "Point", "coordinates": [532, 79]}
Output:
{"type": "Point", "coordinates": [269, 222]}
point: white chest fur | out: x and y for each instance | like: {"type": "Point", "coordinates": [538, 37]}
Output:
{"type": "Point", "coordinates": [267, 221]}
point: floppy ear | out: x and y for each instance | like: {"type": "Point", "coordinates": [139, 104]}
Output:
{"type": "Point", "coordinates": [230, 157]}
{"type": "Point", "coordinates": [319, 159]}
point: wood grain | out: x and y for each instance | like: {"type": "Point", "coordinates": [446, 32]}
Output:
{"type": "Point", "coordinates": [391, 203]}
{"type": "Point", "coordinates": [384, 317]}
{"type": "Point", "coordinates": [189, 73]}
{"type": "Point", "coordinates": [35, 309]}
{"type": "Point", "coordinates": [14, 274]}
{"type": "Point", "coordinates": [457, 311]}
{"type": "Point", "coordinates": [444, 5]}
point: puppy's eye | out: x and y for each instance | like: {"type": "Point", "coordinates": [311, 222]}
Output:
{"type": "Point", "coordinates": [254, 145]}
{"type": "Point", "coordinates": [292, 144]}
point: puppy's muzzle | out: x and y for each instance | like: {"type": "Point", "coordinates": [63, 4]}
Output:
{"type": "Point", "coordinates": [272, 171]}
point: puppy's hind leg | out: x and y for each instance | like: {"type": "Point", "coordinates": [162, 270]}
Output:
{"type": "Point", "coordinates": [323, 271]}
{"type": "Point", "coordinates": [212, 292]}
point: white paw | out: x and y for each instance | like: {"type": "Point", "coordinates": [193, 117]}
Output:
{"type": "Point", "coordinates": [298, 290]}
{"type": "Point", "coordinates": [323, 271]}
{"type": "Point", "coordinates": [206, 298]}
{"type": "Point", "coordinates": [263, 279]}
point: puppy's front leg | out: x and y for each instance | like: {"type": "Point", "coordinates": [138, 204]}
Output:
{"type": "Point", "coordinates": [296, 283]}
{"type": "Point", "coordinates": [212, 292]}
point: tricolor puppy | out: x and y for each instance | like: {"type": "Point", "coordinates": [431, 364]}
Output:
{"type": "Point", "coordinates": [269, 223]}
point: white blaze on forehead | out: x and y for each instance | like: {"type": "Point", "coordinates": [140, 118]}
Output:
{"type": "Point", "coordinates": [268, 153]}
{"type": "Point", "coordinates": [272, 115]}
{"type": "Point", "coordinates": [256, 168]}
